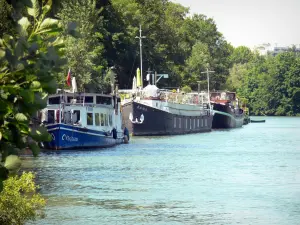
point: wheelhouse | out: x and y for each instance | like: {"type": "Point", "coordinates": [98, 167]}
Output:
{"type": "Point", "coordinates": [82, 109]}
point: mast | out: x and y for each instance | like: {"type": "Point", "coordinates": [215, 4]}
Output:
{"type": "Point", "coordinates": [207, 73]}
{"type": "Point", "coordinates": [141, 54]}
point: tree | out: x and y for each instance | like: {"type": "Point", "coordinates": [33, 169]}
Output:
{"type": "Point", "coordinates": [199, 28]}
{"type": "Point", "coordinates": [19, 201]}
{"type": "Point", "coordinates": [197, 63]}
{"type": "Point", "coordinates": [187, 89]}
{"type": "Point", "coordinates": [271, 84]}
{"type": "Point", "coordinates": [84, 50]}
{"type": "Point", "coordinates": [6, 21]}
{"type": "Point", "coordinates": [28, 63]}
{"type": "Point", "coordinates": [241, 55]}
{"type": "Point", "coordinates": [237, 76]}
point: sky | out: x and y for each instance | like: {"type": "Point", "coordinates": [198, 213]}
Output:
{"type": "Point", "coordinates": [252, 22]}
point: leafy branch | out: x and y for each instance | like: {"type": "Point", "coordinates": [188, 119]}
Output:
{"type": "Point", "coordinates": [28, 63]}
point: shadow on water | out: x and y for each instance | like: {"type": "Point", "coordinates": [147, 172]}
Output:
{"type": "Point", "coordinates": [172, 212]}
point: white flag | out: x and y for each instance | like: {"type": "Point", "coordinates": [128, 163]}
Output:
{"type": "Point", "coordinates": [74, 85]}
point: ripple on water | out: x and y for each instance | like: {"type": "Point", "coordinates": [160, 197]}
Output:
{"type": "Point", "coordinates": [241, 176]}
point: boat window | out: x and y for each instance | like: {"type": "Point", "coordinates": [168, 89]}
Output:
{"type": "Point", "coordinates": [97, 119]}
{"type": "Point", "coordinates": [102, 119]}
{"type": "Point", "coordinates": [175, 122]}
{"type": "Point", "coordinates": [198, 122]}
{"type": "Point", "coordinates": [76, 116]}
{"type": "Point", "coordinates": [201, 122]}
{"type": "Point", "coordinates": [205, 121]}
{"type": "Point", "coordinates": [89, 119]}
{"type": "Point", "coordinates": [69, 99]}
{"type": "Point", "coordinates": [194, 123]}
{"type": "Point", "coordinates": [54, 100]}
{"type": "Point", "coordinates": [179, 122]}
{"type": "Point", "coordinates": [186, 123]}
{"type": "Point", "coordinates": [110, 120]}
{"type": "Point", "coordinates": [50, 118]}
{"type": "Point", "coordinates": [75, 99]}
{"type": "Point", "coordinates": [88, 99]}
{"type": "Point", "coordinates": [103, 100]}
{"type": "Point", "coordinates": [190, 123]}
{"type": "Point", "coordinates": [106, 120]}
{"type": "Point", "coordinates": [67, 117]}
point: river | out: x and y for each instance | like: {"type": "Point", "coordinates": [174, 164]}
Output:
{"type": "Point", "coordinates": [249, 175]}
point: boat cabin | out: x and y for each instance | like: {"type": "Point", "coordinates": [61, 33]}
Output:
{"type": "Point", "coordinates": [151, 92]}
{"type": "Point", "coordinates": [222, 96]}
{"type": "Point", "coordinates": [83, 109]}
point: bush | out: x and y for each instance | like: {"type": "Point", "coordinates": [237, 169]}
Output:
{"type": "Point", "coordinates": [186, 89]}
{"type": "Point", "coordinates": [19, 201]}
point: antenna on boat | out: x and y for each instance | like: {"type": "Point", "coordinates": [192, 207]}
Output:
{"type": "Point", "coordinates": [207, 73]}
{"type": "Point", "coordinates": [112, 75]}
{"type": "Point", "coordinates": [198, 86]}
{"type": "Point", "coordinates": [141, 55]}
{"type": "Point", "coordinates": [149, 77]}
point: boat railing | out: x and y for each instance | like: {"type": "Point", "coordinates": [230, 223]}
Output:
{"type": "Point", "coordinates": [222, 96]}
{"type": "Point", "coordinates": [82, 104]}
{"type": "Point", "coordinates": [183, 98]}
{"type": "Point", "coordinates": [168, 96]}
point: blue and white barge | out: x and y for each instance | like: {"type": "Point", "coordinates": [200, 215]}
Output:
{"type": "Point", "coordinates": [83, 120]}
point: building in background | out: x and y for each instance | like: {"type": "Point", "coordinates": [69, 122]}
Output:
{"type": "Point", "coordinates": [268, 49]}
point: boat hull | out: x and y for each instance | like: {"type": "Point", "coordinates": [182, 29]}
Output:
{"type": "Point", "coordinates": [72, 137]}
{"type": "Point", "coordinates": [225, 118]}
{"type": "Point", "coordinates": [246, 120]}
{"type": "Point", "coordinates": [257, 121]}
{"type": "Point", "coordinates": [158, 122]}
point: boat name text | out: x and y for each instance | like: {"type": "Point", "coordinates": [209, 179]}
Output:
{"type": "Point", "coordinates": [142, 108]}
{"type": "Point", "coordinates": [68, 138]}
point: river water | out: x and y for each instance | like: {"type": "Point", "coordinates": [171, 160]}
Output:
{"type": "Point", "coordinates": [249, 175]}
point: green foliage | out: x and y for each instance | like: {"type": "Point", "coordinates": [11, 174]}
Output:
{"type": "Point", "coordinates": [271, 84]}
{"type": "Point", "coordinates": [84, 52]}
{"type": "Point", "coordinates": [12, 164]}
{"type": "Point", "coordinates": [241, 55]}
{"type": "Point", "coordinates": [19, 201]}
{"type": "Point", "coordinates": [28, 62]}
{"type": "Point", "coordinates": [107, 37]}
{"type": "Point", "coordinates": [178, 44]}
{"type": "Point", "coordinates": [198, 62]}
{"type": "Point", "coordinates": [169, 43]}
{"type": "Point", "coordinates": [187, 89]}
{"type": "Point", "coordinates": [236, 76]}
{"type": "Point", "coordinates": [197, 29]}
{"type": "Point", "coordinates": [6, 21]}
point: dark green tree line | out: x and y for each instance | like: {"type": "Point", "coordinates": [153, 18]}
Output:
{"type": "Point", "coordinates": [270, 83]}
{"type": "Point", "coordinates": [171, 44]}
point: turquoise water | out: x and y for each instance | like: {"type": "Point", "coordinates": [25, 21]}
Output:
{"type": "Point", "coordinates": [249, 175]}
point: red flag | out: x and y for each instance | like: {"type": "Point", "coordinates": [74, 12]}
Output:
{"type": "Point", "coordinates": [68, 80]}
